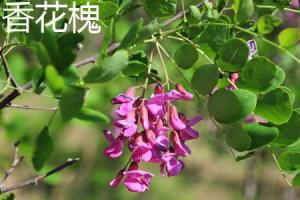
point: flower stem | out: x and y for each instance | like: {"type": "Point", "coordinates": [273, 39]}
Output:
{"type": "Point", "coordinates": [196, 93]}
{"type": "Point", "coordinates": [148, 73]}
{"type": "Point", "coordinates": [164, 67]}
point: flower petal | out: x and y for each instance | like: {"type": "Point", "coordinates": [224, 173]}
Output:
{"type": "Point", "coordinates": [174, 166]}
{"type": "Point", "coordinates": [180, 148]}
{"type": "Point", "coordinates": [175, 122]}
{"type": "Point", "coordinates": [188, 134]}
{"type": "Point", "coordinates": [141, 154]}
{"type": "Point", "coordinates": [108, 135]}
{"type": "Point", "coordinates": [125, 108]}
{"type": "Point", "coordinates": [144, 117]}
{"type": "Point", "coordinates": [115, 182]}
{"type": "Point", "coordinates": [194, 120]}
{"type": "Point", "coordinates": [130, 131]}
{"type": "Point", "coordinates": [115, 150]}
{"type": "Point", "coordinates": [185, 94]}
{"type": "Point", "coordinates": [159, 89]}
{"type": "Point", "coordinates": [120, 99]}
{"type": "Point", "coordinates": [137, 180]}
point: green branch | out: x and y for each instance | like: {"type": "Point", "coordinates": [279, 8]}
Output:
{"type": "Point", "coordinates": [274, 7]}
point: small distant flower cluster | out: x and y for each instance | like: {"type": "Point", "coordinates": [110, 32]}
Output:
{"type": "Point", "coordinates": [154, 131]}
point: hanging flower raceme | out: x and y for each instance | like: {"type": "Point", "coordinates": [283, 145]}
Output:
{"type": "Point", "coordinates": [154, 131]}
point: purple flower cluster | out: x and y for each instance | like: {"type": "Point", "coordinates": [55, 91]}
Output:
{"type": "Point", "coordinates": [154, 131]}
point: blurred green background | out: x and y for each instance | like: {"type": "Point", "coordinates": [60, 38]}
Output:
{"type": "Point", "coordinates": [211, 173]}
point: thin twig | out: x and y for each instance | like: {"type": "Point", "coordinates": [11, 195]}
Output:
{"type": "Point", "coordinates": [17, 160]}
{"type": "Point", "coordinates": [28, 107]}
{"type": "Point", "coordinates": [38, 179]}
{"type": "Point", "coordinates": [279, 167]}
{"type": "Point", "coordinates": [183, 11]}
{"type": "Point", "coordinates": [7, 69]}
{"type": "Point", "coordinates": [15, 93]}
{"type": "Point", "coordinates": [93, 59]}
{"type": "Point", "coordinates": [269, 7]}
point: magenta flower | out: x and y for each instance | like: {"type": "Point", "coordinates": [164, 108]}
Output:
{"type": "Point", "coordinates": [180, 148]}
{"type": "Point", "coordinates": [233, 79]}
{"type": "Point", "coordinates": [188, 133]}
{"type": "Point", "coordinates": [115, 150]}
{"type": "Point", "coordinates": [154, 131]}
{"type": "Point", "coordinates": [171, 164]}
{"type": "Point", "coordinates": [137, 180]}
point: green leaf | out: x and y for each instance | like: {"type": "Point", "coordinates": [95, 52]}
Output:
{"type": "Point", "coordinates": [289, 161]}
{"type": "Point", "coordinates": [108, 33]}
{"type": "Point", "coordinates": [149, 29]}
{"type": "Point", "coordinates": [50, 43]}
{"type": "Point", "coordinates": [108, 68]}
{"type": "Point", "coordinates": [232, 55]}
{"type": "Point", "coordinates": [221, 4]}
{"type": "Point", "coordinates": [132, 34]}
{"type": "Point", "coordinates": [266, 23]}
{"type": "Point", "coordinates": [160, 8]}
{"type": "Point", "coordinates": [281, 4]}
{"type": "Point", "coordinates": [237, 138]}
{"type": "Point", "coordinates": [289, 37]}
{"type": "Point", "coordinates": [260, 135]}
{"type": "Point", "coordinates": [65, 59]}
{"type": "Point", "coordinates": [275, 106]}
{"type": "Point", "coordinates": [247, 102]}
{"type": "Point", "coordinates": [135, 67]}
{"type": "Point", "coordinates": [290, 93]}
{"type": "Point", "coordinates": [243, 9]}
{"type": "Point", "coordinates": [107, 9]}
{"type": "Point", "coordinates": [231, 106]}
{"type": "Point", "coordinates": [258, 74]}
{"type": "Point", "coordinates": [69, 40]}
{"type": "Point", "coordinates": [186, 56]}
{"type": "Point", "coordinates": [247, 155]}
{"type": "Point", "coordinates": [41, 53]}
{"type": "Point", "coordinates": [139, 56]}
{"type": "Point", "coordinates": [214, 36]}
{"type": "Point", "coordinates": [93, 116]}
{"type": "Point", "coordinates": [289, 132]}
{"type": "Point", "coordinates": [54, 80]}
{"type": "Point", "coordinates": [278, 80]}
{"type": "Point", "coordinates": [296, 180]}
{"type": "Point", "coordinates": [211, 12]}
{"type": "Point", "coordinates": [223, 105]}
{"type": "Point", "coordinates": [194, 15]}
{"type": "Point", "coordinates": [43, 149]}
{"type": "Point", "coordinates": [10, 196]}
{"type": "Point", "coordinates": [71, 102]}
{"type": "Point", "coordinates": [205, 79]}
{"type": "Point", "coordinates": [128, 8]}
{"type": "Point", "coordinates": [71, 76]}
